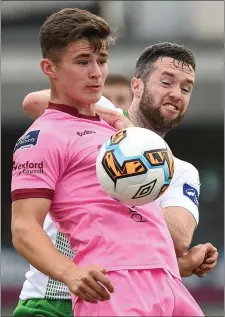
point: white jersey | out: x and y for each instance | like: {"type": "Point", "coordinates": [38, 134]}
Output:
{"type": "Point", "coordinates": [183, 191]}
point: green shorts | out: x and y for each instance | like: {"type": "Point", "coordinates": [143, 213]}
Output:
{"type": "Point", "coordinates": [44, 308]}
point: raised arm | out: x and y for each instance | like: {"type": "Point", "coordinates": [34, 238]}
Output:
{"type": "Point", "coordinates": [35, 103]}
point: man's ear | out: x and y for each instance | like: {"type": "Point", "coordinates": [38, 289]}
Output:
{"type": "Point", "coordinates": [48, 68]}
{"type": "Point", "coordinates": [137, 87]}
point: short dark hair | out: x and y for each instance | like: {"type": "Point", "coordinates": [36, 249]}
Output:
{"type": "Point", "coordinates": [72, 24]}
{"type": "Point", "coordinates": [113, 79]}
{"type": "Point", "coordinates": [145, 63]}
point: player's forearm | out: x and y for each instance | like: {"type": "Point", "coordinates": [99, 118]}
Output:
{"type": "Point", "coordinates": [33, 244]}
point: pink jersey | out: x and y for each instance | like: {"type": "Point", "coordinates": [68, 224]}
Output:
{"type": "Point", "coordinates": [56, 159]}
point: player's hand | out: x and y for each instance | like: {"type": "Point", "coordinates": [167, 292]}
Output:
{"type": "Point", "coordinates": [199, 260]}
{"type": "Point", "coordinates": [209, 262]}
{"type": "Point", "coordinates": [114, 118]}
{"type": "Point", "coordinates": [84, 282]}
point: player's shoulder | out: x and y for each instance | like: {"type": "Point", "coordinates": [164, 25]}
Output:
{"type": "Point", "coordinates": [182, 166]}
{"type": "Point", "coordinates": [39, 133]}
{"type": "Point", "coordinates": [185, 172]}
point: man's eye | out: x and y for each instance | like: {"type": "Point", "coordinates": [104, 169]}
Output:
{"type": "Point", "coordinates": [165, 83]}
{"type": "Point", "coordinates": [186, 90]}
{"type": "Point", "coordinates": [102, 62]}
{"type": "Point", "coordinates": [83, 62]}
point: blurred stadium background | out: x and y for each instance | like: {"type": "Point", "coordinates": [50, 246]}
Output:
{"type": "Point", "coordinates": [199, 139]}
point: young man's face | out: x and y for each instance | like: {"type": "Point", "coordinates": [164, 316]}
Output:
{"type": "Point", "coordinates": [81, 74]}
{"type": "Point", "coordinates": [167, 93]}
{"type": "Point", "coordinates": [119, 94]}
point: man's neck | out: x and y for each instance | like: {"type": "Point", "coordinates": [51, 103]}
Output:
{"type": "Point", "coordinates": [82, 108]}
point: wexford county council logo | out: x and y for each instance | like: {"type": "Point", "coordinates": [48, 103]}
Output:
{"type": "Point", "coordinates": [27, 168]}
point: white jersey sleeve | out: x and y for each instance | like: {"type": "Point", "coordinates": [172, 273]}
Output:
{"type": "Point", "coordinates": [184, 189]}
{"type": "Point", "coordinates": [104, 102]}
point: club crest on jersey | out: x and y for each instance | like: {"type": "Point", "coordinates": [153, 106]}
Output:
{"type": "Point", "coordinates": [27, 141]}
{"type": "Point", "coordinates": [191, 193]}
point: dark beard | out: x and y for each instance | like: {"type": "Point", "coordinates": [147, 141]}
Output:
{"type": "Point", "coordinates": [150, 117]}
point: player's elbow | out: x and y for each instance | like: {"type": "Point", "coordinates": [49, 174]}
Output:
{"type": "Point", "coordinates": [18, 234]}
{"type": "Point", "coordinates": [30, 105]}
{"type": "Point", "coordinates": [181, 245]}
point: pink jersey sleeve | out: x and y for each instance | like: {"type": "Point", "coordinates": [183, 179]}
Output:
{"type": "Point", "coordinates": [38, 161]}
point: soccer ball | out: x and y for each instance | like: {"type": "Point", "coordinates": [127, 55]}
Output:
{"type": "Point", "coordinates": [135, 166]}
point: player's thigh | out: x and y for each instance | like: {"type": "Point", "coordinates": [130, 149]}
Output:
{"type": "Point", "coordinates": [185, 304]}
{"type": "Point", "coordinates": [136, 293]}
{"type": "Point", "coordinates": [43, 308]}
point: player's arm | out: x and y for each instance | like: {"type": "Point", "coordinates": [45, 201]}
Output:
{"type": "Point", "coordinates": [115, 117]}
{"type": "Point", "coordinates": [181, 225]}
{"type": "Point", "coordinates": [179, 205]}
{"type": "Point", "coordinates": [32, 194]}
{"type": "Point", "coordinates": [35, 103]}
{"type": "Point", "coordinates": [30, 240]}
